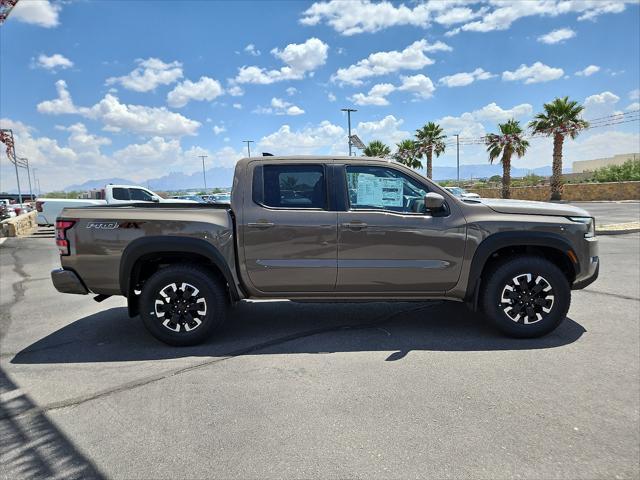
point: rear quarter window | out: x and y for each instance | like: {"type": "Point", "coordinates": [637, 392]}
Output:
{"type": "Point", "coordinates": [290, 186]}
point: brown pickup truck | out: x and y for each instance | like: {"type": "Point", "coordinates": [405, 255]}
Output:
{"type": "Point", "coordinates": [318, 228]}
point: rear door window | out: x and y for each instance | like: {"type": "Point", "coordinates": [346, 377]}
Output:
{"type": "Point", "coordinates": [121, 194]}
{"type": "Point", "coordinates": [290, 186]}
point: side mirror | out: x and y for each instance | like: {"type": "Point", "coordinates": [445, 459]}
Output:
{"type": "Point", "coordinates": [433, 201]}
{"type": "Point", "coordinates": [155, 198]}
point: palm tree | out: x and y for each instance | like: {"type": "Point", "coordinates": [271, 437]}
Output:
{"type": "Point", "coordinates": [560, 118]}
{"type": "Point", "coordinates": [509, 141]}
{"type": "Point", "coordinates": [376, 149]}
{"type": "Point", "coordinates": [430, 141]}
{"type": "Point", "coordinates": [407, 154]}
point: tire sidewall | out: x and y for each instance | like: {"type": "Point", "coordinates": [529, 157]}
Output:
{"type": "Point", "coordinates": [209, 290]}
{"type": "Point", "coordinates": [504, 273]}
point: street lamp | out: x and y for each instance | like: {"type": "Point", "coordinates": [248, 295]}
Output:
{"type": "Point", "coordinates": [204, 175]}
{"type": "Point", "coordinates": [349, 110]}
{"type": "Point", "coordinates": [248, 142]}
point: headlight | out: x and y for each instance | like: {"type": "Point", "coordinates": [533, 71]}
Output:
{"type": "Point", "coordinates": [589, 222]}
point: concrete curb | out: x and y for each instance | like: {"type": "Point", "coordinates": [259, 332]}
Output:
{"type": "Point", "coordinates": [618, 228]}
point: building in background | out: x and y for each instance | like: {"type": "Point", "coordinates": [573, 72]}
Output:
{"type": "Point", "coordinates": [590, 165]}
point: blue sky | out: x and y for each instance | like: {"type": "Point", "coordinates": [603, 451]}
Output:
{"type": "Point", "coordinates": [139, 89]}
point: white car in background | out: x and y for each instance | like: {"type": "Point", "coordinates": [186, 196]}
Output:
{"type": "Point", "coordinates": [50, 208]}
{"type": "Point", "coordinates": [461, 192]}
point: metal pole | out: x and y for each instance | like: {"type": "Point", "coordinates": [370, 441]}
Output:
{"type": "Point", "coordinates": [349, 110]}
{"type": "Point", "coordinates": [204, 175]}
{"type": "Point", "coordinates": [15, 164]}
{"type": "Point", "coordinates": [248, 148]}
{"type": "Point", "coordinates": [26, 161]}
{"type": "Point", "coordinates": [458, 156]}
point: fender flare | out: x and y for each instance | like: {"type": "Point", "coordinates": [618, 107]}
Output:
{"type": "Point", "coordinates": [171, 244]}
{"type": "Point", "coordinates": [499, 240]}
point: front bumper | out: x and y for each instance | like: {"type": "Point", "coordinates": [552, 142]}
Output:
{"type": "Point", "coordinates": [589, 264]}
{"type": "Point", "coordinates": [67, 281]}
{"type": "Point", "coordinates": [594, 270]}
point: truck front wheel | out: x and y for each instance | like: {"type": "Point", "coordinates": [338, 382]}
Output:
{"type": "Point", "coordinates": [526, 296]}
{"type": "Point", "coordinates": [182, 305]}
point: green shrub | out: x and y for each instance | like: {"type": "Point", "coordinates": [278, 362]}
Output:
{"type": "Point", "coordinates": [629, 170]}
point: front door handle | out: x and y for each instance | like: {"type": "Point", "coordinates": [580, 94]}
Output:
{"type": "Point", "coordinates": [260, 224]}
{"type": "Point", "coordinates": [355, 225]}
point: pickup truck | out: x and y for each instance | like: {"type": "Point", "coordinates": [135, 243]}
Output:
{"type": "Point", "coordinates": [329, 228]}
{"type": "Point", "coordinates": [50, 208]}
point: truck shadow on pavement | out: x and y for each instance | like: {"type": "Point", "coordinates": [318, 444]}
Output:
{"type": "Point", "coordinates": [32, 446]}
{"type": "Point", "coordinates": [282, 327]}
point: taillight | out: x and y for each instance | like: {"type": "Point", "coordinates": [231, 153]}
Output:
{"type": "Point", "coordinates": [61, 235]}
{"type": "Point", "coordinates": [39, 206]}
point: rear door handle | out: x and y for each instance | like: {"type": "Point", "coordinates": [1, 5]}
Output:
{"type": "Point", "coordinates": [260, 224]}
{"type": "Point", "coordinates": [355, 225]}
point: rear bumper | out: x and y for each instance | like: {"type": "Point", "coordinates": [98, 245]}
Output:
{"type": "Point", "coordinates": [67, 281]}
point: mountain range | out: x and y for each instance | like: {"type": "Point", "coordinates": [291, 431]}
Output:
{"type": "Point", "coordinates": [223, 177]}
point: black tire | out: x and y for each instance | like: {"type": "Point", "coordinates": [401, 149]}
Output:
{"type": "Point", "coordinates": [525, 310]}
{"type": "Point", "coordinates": [194, 316]}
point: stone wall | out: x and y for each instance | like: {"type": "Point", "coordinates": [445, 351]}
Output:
{"type": "Point", "coordinates": [19, 226]}
{"type": "Point", "coordinates": [575, 192]}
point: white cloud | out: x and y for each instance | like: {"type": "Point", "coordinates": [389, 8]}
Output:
{"type": "Point", "coordinates": [471, 124]}
{"type": "Point", "coordinates": [331, 97]}
{"type": "Point", "coordinates": [633, 107]}
{"type": "Point", "coordinates": [362, 16]}
{"type": "Point", "coordinates": [204, 89]}
{"type": "Point", "coordinates": [61, 105]}
{"type": "Point", "coordinates": [376, 96]}
{"type": "Point", "coordinates": [323, 138]}
{"type": "Point", "coordinates": [280, 107]}
{"type": "Point", "coordinates": [382, 63]}
{"type": "Point", "coordinates": [536, 73]}
{"type": "Point", "coordinates": [386, 130]}
{"type": "Point", "coordinates": [299, 59]}
{"type": "Point", "coordinates": [420, 85]}
{"type": "Point", "coordinates": [504, 13]}
{"type": "Point", "coordinates": [235, 91]}
{"type": "Point", "coordinates": [148, 75]}
{"type": "Point", "coordinates": [237, 106]}
{"type": "Point", "coordinates": [37, 12]}
{"type": "Point", "coordinates": [141, 119]}
{"type": "Point", "coordinates": [452, 16]}
{"type": "Point", "coordinates": [252, 50]}
{"type": "Point", "coordinates": [588, 71]}
{"type": "Point", "coordinates": [494, 113]}
{"type": "Point", "coordinates": [53, 62]}
{"type": "Point", "coordinates": [465, 78]}
{"type": "Point", "coordinates": [557, 36]}
{"type": "Point", "coordinates": [118, 116]}
{"type": "Point", "coordinates": [291, 91]}
{"type": "Point", "coordinates": [218, 129]}
{"type": "Point", "coordinates": [600, 105]}
{"type": "Point", "coordinates": [634, 94]}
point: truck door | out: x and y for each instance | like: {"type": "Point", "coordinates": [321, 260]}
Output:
{"type": "Point", "coordinates": [289, 231]}
{"type": "Point", "coordinates": [388, 243]}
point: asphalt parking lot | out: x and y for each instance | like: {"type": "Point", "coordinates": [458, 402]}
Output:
{"type": "Point", "coordinates": [299, 390]}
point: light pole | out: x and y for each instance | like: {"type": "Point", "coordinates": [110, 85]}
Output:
{"type": "Point", "coordinates": [349, 110]}
{"type": "Point", "coordinates": [9, 141]}
{"type": "Point", "coordinates": [26, 162]}
{"type": "Point", "coordinates": [458, 157]}
{"type": "Point", "coordinates": [248, 142]}
{"type": "Point", "coordinates": [204, 175]}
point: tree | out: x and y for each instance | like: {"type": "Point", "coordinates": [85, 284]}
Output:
{"type": "Point", "coordinates": [561, 118]}
{"type": "Point", "coordinates": [430, 140]}
{"type": "Point", "coordinates": [509, 141]}
{"type": "Point", "coordinates": [376, 149]}
{"type": "Point", "coordinates": [407, 154]}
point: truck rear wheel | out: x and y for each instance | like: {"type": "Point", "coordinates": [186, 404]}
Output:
{"type": "Point", "coordinates": [182, 305]}
{"type": "Point", "coordinates": [526, 297]}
